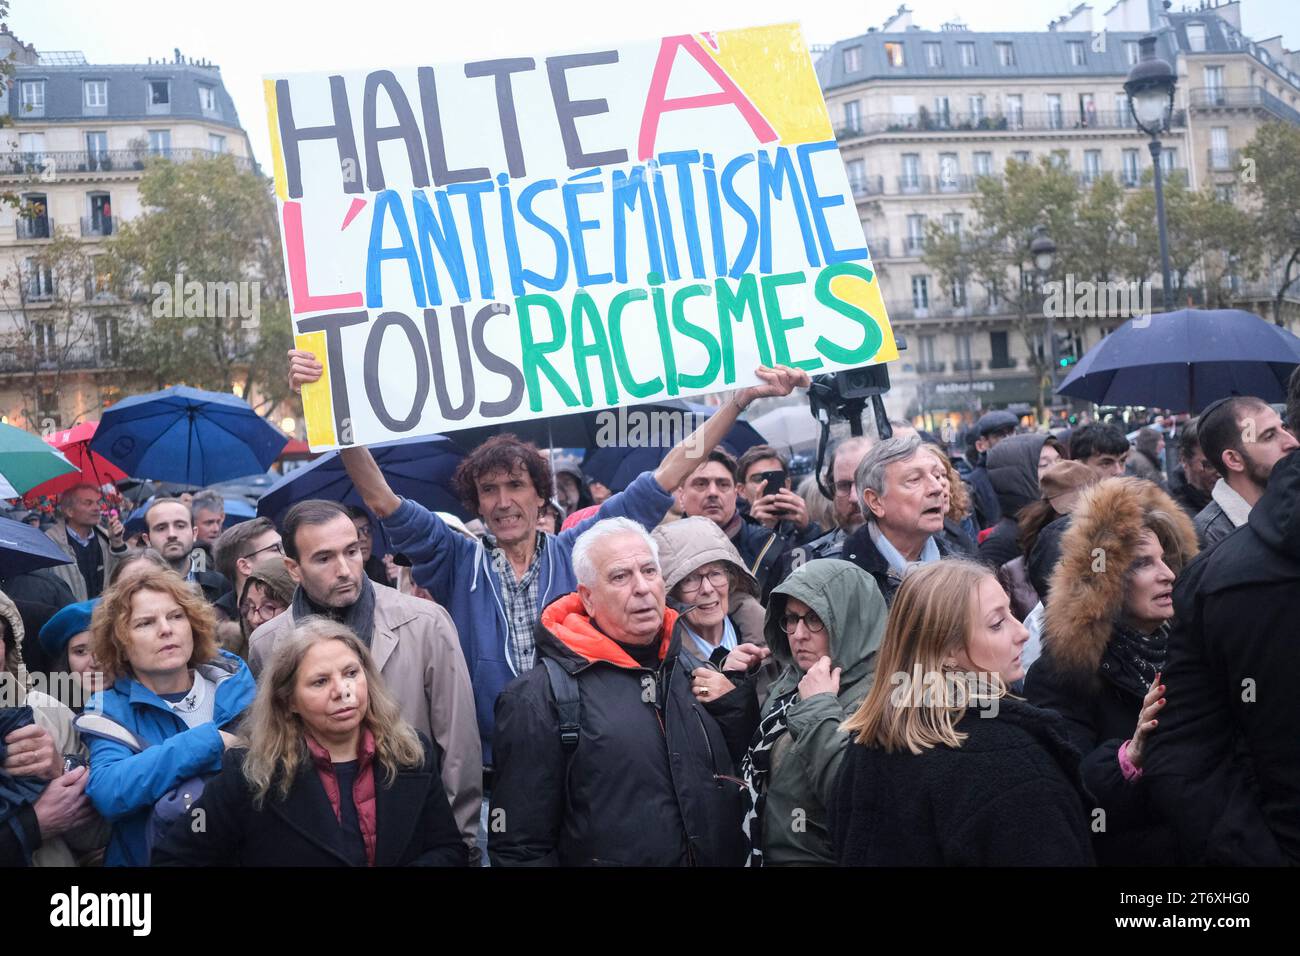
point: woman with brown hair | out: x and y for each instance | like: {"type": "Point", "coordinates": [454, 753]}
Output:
{"type": "Point", "coordinates": [947, 769]}
{"type": "Point", "coordinates": [172, 696]}
{"type": "Point", "coordinates": [1105, 644]}
{"type": "Point", "coordinates": [958, 526]}
{"type": "Point", "coordinates": [332, 775]}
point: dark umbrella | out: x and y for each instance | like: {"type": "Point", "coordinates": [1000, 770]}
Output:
{"type": "Point", "coordinates": [616, 466]}
{"type": "Point", "coordinates": [417, 468]}
{"type": "Point", "coordinates": [1185, 360]}
{"type": "Point", "coordinates": [24, 548]}
{"type": "Point", "coordinates": [187, 435]}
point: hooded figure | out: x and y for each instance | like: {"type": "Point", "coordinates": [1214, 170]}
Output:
{"type": "Point", "coordinates": [1013, 472]}
{"type": "Point", "coordinates": [792, 765]}
{"type": "Point", "coordinates": [1103, 650]}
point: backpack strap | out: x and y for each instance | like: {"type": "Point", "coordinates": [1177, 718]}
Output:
{"type": "Point", "coordinates": [565, 689]}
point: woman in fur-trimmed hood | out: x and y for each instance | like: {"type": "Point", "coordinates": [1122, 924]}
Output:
{"type": "Point", "coordinates": [1104, 648]}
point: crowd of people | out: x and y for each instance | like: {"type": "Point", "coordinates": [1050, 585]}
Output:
{"type": "Point", "coordinates": [1052, 649]}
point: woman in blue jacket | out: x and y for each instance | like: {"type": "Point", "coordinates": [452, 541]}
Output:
{"type": "Point", "coordinates": [172, 688]}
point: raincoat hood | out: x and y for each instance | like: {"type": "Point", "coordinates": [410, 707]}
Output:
{"type": "Point", "coordinates": [14, 647]}
{"type": "Point", "coordinates": [1013, 471]}
{"type": "Point", "coordinates": [691, 543]}
{"type": "Point", "coordinates": [850, 604]}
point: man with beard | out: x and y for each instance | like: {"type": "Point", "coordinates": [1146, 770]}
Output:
{"type": "Point", "coordinates": [1243, 438]}
{"type": "Point", "coordinates": [169, 524]}
{"type": "Point", "coordinates": [413, 642]}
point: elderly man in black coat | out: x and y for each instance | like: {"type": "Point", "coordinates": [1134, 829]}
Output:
{"type": "Point", "coordinates": [1226, 762]}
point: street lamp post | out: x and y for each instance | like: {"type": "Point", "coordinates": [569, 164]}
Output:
{"type": "Point", "coordinates": [1043, 252]}
{"type": "Point", "coordinates": [1150, 90]}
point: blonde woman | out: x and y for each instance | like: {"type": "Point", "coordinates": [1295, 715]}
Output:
{"type": "Point", "coordinates": [332, 775]}
{"type": "Point", "coordinates": [945, 768]}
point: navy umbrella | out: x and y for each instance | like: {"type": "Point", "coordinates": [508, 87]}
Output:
{"type": "Point", "coordinates": [1185, 360]}
{"type": "Point", "coordinates": [187, 435]}
{"type": "Point", "coordinates": [616, 466]}
{"type": "Point", "coordinates": [24, 548]}
{"type": "Point", "coordinates": [417, 468]}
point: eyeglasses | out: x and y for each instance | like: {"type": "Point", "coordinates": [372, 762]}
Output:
{"type": "Point", "coordinates": [789, 622]}
{"type": "Point", "coordinates": [264, 611]}
{"type": "Point", "coordinates": [692, 582]}
{"type": "Point", "coordinates": [277, 547]}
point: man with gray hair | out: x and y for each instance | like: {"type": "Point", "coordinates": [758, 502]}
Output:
{"type": "Point", "coordinates": [79, 535]}
{"type": "Point", "coordinates": [904, 491]}
{"type": "Point", "coordinates": [599, 758]}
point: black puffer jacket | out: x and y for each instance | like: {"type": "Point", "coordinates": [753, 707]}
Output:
{"type": "Point", "coordinates": [1013, 472]}
{"type": "Point", "coordinates": [1226, 764]}
{"type": "Point", "coordinates": [652, 780]}
{"type": "Point", "coordinates": [1008, 796]}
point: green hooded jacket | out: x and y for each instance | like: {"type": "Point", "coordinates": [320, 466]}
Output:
{"type": "Point", "coordinates": [806, 760]}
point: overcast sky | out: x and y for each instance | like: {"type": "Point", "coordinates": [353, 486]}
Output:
{"type": "Point", "coordinates": [248, 38]}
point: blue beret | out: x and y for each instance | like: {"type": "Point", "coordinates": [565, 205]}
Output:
{"type": "Point", "coordinates": [65, 625]}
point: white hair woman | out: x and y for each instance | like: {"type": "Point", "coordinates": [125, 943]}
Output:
{"type": "Point", "coordinates": [332, 775]}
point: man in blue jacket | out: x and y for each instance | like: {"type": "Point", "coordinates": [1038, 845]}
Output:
{"type": "Point", "coordinates": [495, 590]}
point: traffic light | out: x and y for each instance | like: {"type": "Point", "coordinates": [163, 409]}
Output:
{"type": "Point", "coordinates": [1065, 349]}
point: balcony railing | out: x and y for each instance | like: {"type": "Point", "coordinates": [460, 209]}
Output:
{"type": "Point", "coordinates": [1003, 363]}
{"type": "Point", "coordinates": [913, 245]}
{"type": "Point", "coordinates": [956, 183]}
{"type": "Point", "coordinates": [39, 227]}
{"type": "Point", "coordinates": [928, 368]}
{"type": "Point", "coordinates": [112, 160]}
{"type": "Point", "coordinates": [924, 121]}
{"type": "Point", "coordinates": [27, 358]}
{"type": "Point", "coordinates": [879, 248]}
{"type": "Point", "coordinates": [96, 225]}
{"type": "Point", "coordinates": [868, 186]}
{"type": "Point", "coordinates": [914, 184]}
{"type": "Point", "coordinates": [1221, 160]}
{"type": "Point", "coordinates": [1243, 97]}
{"type": "Point", "coordinates": [967, 365]}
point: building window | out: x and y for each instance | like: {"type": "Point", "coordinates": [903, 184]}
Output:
{"type": "Point", "coordinates": [40, 281]}
{"type": "Point", "coordinates": [915, 234]}
{"type": "Point", "coordinates": [1196, 37]}
{"type": "Point", "coordinates": [857, 170]}
{"type": "Point", "coordinates": [160, 93]}
{"type": "Point", "coordinates": [967, 54]}
{"type": "Point", "coordinates": [925, 348]}
{"type": "Point", "coordinates": [1131, 52]}
{"type": "Point", "coordinates": [1061, 158]}
{"type": "Point", "coordinates": [999, 351]}
{"type": "Point", "coordinates": [32, 97]}
{"type": "Point", "coordinates": [100, 222]}
{"type": "Point", "coordinates": [1022, 156]}
{"type": "Point", "coordinates": [957, 292]}
{"type": "Point", "coordinates": [942, 114]}
{"type": "Point", "coordinates": [33, 147]}
{"type": "Point", "coordinates": [1087, 110]}
{"type": "Point", "coordinates": [106, 337]}
{"type": "Point", "coordinates": [920, 292]}
{"type": "Point", "coordinates": [976, 104]}
{"type": "Point", "coordinates": [1006, 54]}
{"type": "Point", "coordinates": [1132, 174]}
{"type": "Point", "coordinates": [933, 54]}
{"type": "Point", "coordinates": [1214, 95]}
{"type": "Point", "coordinates": [1076, 52]}
{"type": "Point", "coordinates": [95, 93]}
{"type": "Point", "coordinates": [1054, 118]}
{"type": "Point", "coordinates": [962, 342]}
{"type": "Point", "coordinates": [894, 54]}
{"type": "Point", "coordinates": [952, 223]}
{"type": "Point", "coordinates": [1015, 110]}
{"type": "Point", "coordinates": [160, 142]}
{"type": "Point", "coordinates": [216, 144]}
{"type": "Point", "coordinates": [1122, 115]}
{"type": "Point", "coordinates": [911, 178]}
{"type": "Point", "coordinates": [34, 217]}
{"type": "Point", "coordinates": [96, 149]}
{"type": "Point", "coordinates": [995, 295]}
{"type": "Point", "coordinates": [1169, 159]}
{"type": "Point", "coordinates": [207, 99]}
{"type": "Point", "coordinates": [983, 164]}
{"type": "Point", "coordinates": [853, 115]}
{"type": "Point", "coordinates": [1091, 165]}
{"type": "Point", "coordinates": [948, 172]}
{"type": "Point", "coordinates": [852, 59]}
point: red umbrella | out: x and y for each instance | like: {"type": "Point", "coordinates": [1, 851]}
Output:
{"type": "Point", "coordinates": [92, 468]}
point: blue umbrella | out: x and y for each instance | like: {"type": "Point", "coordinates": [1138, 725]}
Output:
{"type": "Point", "coordinates": [24, 548]}
{"type": "Point", "coordinates": [1185, 360]}
{"type": "Point", "coordinates": [616, 467]}
{"type": "Point", "coordinates": [237, 510]}
{"type": "Point", "coordinates": [417, 468]}
{"type": "Point", "coordinates": [186, 435]}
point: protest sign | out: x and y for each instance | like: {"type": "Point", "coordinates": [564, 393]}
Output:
{"type": "Point", "coordinates": [514, 238]}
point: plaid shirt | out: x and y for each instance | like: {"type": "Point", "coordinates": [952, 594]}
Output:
{"type": "Point", "coordinates": [522, 611]}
